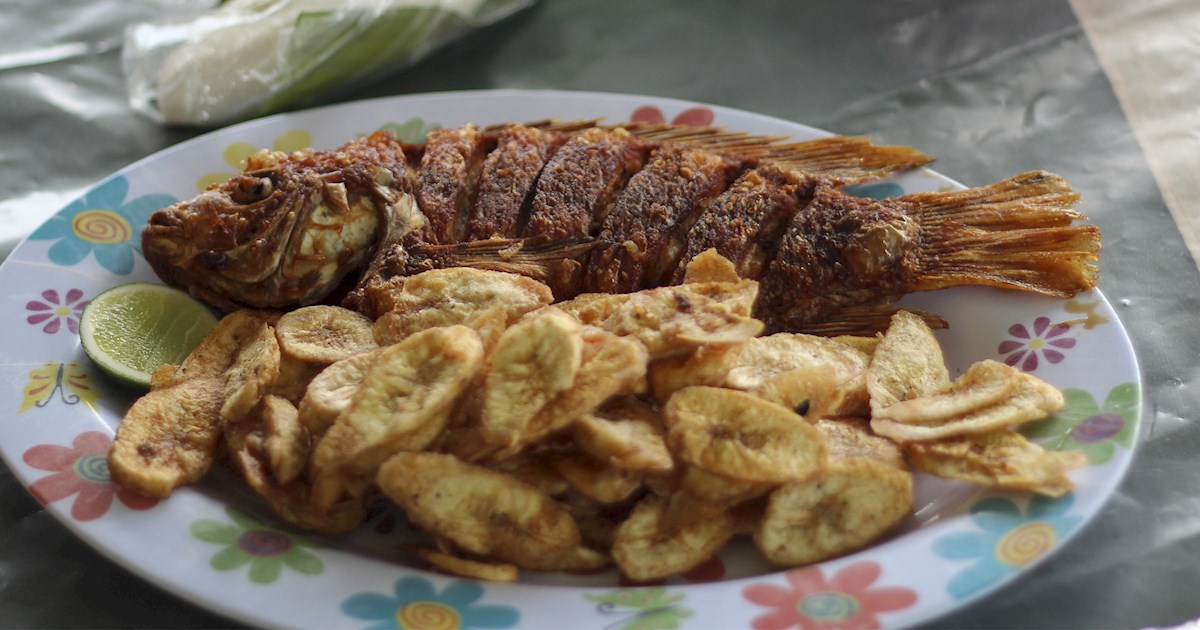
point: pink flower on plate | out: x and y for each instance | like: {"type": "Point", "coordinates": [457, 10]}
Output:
{"type": "Point", "coordinates": [1046, 340]}
{"type": "Point", "coordinates": [80, 470]}
{"type": "Point", "coordinates": [845, 600]}
{"type": "Point", "coordinates": [52, 310]}
{"type": "Point", "coordinates": [690, 117]}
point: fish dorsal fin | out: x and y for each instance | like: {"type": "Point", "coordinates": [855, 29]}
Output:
{"type": "Point", "coordinates": [844, 159]}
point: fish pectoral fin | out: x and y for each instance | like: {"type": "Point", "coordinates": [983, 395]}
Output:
{"type": "Point", "coordinates": [866, 320]}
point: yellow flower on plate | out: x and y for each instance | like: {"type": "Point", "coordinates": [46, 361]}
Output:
{"type": "Point", "coordinates": [235, 155]}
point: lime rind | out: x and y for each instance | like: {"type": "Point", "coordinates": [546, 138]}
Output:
{"type": "Point", "coordinates": [130, 330]}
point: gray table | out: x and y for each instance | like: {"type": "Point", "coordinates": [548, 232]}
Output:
{"type": "Point", "coordinates": [991, 88]}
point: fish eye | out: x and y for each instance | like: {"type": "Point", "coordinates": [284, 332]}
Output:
{"type": "Point", "coordinates": [246, 190]}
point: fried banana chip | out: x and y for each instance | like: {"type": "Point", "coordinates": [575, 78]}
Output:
{"type": "Point", "coordinates": [168, 438]}
{"type": "Point", "coordinates": [709, 266]}
{"type": "Point", "coordinates": [535, 471]}
{"type": "Point", "coordinates": [673, 320]}
{"type": "Point", "coordinates": [595, 479]}
{"type": "Point", "coordinates": [628, 435]}
{"type": "Point", "coordinates": [445, 297]}
{"type": "Point", "coordinates": [849, 504]}
{"type": "Point", "coordinates": [863, 344]}
{"type": "Point", "coordinates": [253, 373]}
{"type": "Point", "coordinates": [1000, 458]}
{"type": "Point", "coordinates": [610, 366]}
{"type": "Point", "coordinates": [852, 437]}
{"type": "Point", "coordinates": [983, 384]}
{"type": "Point", "coordinates": [644, 550]}
{"type": "Point", "coordinates": [907, 363]}
{"type": "Point", "coordinates": [473, 569]}
{"type": "Point", "coordinates": [293, 501]}
{"type": "Point", "coordinates": [1033, 399]}
{"type": "Point", "coordinates": [324, 334]}
{"type": "Point", "coordinates": [740, 436]}
{"type": "Point", "coordinates": [814, 376]}
{"type": "Point", "coordinates": [534, 361]}
{"type": "Point", "coordinates": [286, 441]}
{"type": "Point", "coordinates": [220, 348]}
{"type": "Point", "coordinates": [706, 365]}
{"type": "Point", "coordinates": [329, 393]}
{"type": "Point", "coordinates": [404, 401]}
{"type": "Point", "coordinates": [481, 511]}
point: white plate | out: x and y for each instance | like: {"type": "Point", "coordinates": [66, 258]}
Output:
{"type": "Point", "coordinates": [215, 545]}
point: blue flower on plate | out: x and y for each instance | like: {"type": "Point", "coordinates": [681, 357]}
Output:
{"type": "Point", "coordinates": [103, 223]}
{"type": "Point", "coordinates": [1009, 540]}
{"type": "Point", "coordinates": [416, 605]}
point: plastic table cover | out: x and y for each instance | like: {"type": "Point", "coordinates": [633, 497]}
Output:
{"type": "Point", "coordinates": [991, 88]}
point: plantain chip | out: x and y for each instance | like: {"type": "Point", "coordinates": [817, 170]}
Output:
{"type": "Point", "coordinates": [1000, 458]}
{"type": "Point", "coordinates": [645, 550]}
{"type": "Point", "coordinates": [906, 364]}
{"type": "Point", "coordinates": [1033, 399]}
{"type": "Point", "coordinates": [814, 376]}
{"type": "Point", "coordinates": [534, 361]}
{"type": "Point", "coordinates": [169, 437]}
{"type": "Point", "coordinates": [473, 569]}
{"type": "Point", "coordinates": [849, 504]}
{"type": "Point", "coordinates": [706, 365]}
{"type": "Point", "coordinates": [983, 384]}
{"type": "Point", "coordinates": [852, 437]}
{"type": "Point", "coordinates": [286, 442]}
{"type": "Point", "coordinates": [450, 296]}
{"type": "Point", "coordinates": [610, 366]}
{"type": "Point", "coordinates": [739, 436]}
{"type": "Point", "coordinates": [709, 266]}
{"type": "Point", "coordinates": [253, 373]}
{"type": "Point", "coordinates": [595, 479]}
{"type": "Point", "coordinates": [481, 511]}
{"type": "Point", "coordinates": [324, 334]}
{"type": "Point", "coordinates": [405, 400]}
{"type": "Point", "coordinates": [673, 320]}
{"type": "Point", "coordinates": [626, 435]}
{"type": "Point", "coordinates": [330, 391]}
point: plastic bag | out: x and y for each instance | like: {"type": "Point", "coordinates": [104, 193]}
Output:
{"type": "Point", "coordinates": [248, 58]}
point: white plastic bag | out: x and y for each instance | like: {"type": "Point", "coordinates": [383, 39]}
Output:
{"type": "Point", "coordinates": [253, 57]}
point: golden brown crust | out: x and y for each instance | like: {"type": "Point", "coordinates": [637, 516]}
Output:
{"type": "Point", "coordinates": [581, 182]}
{"type": "Point", "coordinates": [838, 251]}
{"type": "Point", "coordinates": [448, 179]}
{"type": "Point", "coordinates": [659, 200]}
{"type": "Point", "coordinates": [745, 223]}
{"type": "Point", "coordinates": [509, 175]}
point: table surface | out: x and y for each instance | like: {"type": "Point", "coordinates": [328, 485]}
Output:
{"type": "Point", "coordinates": [991, 88]}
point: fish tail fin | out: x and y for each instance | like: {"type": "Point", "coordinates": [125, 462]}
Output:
{"type": "Point", "coordinates": [1015, 234]}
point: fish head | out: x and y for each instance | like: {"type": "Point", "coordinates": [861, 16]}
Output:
{"type": "Point", "coordinates": [285, 231]}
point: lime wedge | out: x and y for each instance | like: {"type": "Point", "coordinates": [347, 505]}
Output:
{"type": "Point", "coordinates": [131, 329]}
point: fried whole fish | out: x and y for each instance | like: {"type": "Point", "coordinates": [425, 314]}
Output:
{"type": "Point", "coordinates": [589, 208]}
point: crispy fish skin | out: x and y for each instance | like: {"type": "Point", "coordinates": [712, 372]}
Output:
{"type": "Point", "coordinates": [509, 175]}
{"type": "Point", "coordinates": [581, 182]}
{"type": "Point", "coordinates": [448, 179]}
{"type": "Point", "coordinates": [660, 200]}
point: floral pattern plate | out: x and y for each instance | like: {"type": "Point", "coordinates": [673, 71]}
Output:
{"type": "Point", "coordinates": [215, 545]}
